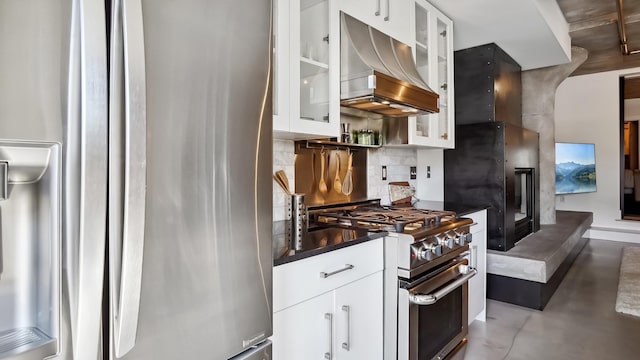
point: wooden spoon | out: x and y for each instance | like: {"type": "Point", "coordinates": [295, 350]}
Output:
{"type": "Point", "coordinates": [284, 181]}
{"type": "Point", "coordinates": [347, 185]}
{"type": "Point", "coordinates": [337, 183]}
{"type": "Point", "coordinates": [314, 195]}
{"type": "Point", "coordinates": [322, 185]}
{"type": "Point", "coordinates": [282, 185]}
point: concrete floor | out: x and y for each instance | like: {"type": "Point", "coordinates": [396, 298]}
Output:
{"type": "Point", "coordinates": [579, 322]}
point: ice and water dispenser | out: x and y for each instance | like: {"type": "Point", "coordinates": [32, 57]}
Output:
{"type": "Point", "coordinates": [30, 235]}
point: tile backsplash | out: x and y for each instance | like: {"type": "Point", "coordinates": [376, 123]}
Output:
{"type": "Point", "coordinates": [283, 159]}
{"type": "Point", "coordinates": [398, 162]}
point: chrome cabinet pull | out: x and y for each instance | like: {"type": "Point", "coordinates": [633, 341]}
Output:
{"type": "Point", "coordinates": [473, 258]}
{"type": "Point", "coordinates": [328, 355]}
{"type": "Point", "coordinates": [378, 7]}
{"type": "Point", "coordinates": [4, 180]}
{"type": "Point", "coordinates": [325, 275]}
{"type": "Point", "coordinates": [346, 344]}
{"type": "Point", "coordinates": [386, 18]}
{"type": "Point", "coordinates": [430, 299]}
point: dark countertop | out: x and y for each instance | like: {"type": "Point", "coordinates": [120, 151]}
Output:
{"type": "Point", "coordinates": [323, 240]}
{"type": "Point", "coordinates": [459, 209]}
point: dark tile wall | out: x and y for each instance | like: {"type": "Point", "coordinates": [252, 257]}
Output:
{"type": "Point", "coordinates": [488, 86]}
{"type": "Point", "coordinates": [490, 141]}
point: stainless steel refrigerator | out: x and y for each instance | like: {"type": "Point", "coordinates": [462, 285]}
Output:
{"type": "Point", "coordinates": [135, 186]}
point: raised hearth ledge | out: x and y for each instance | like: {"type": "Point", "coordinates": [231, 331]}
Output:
{"type": "Point", "coordinates": [539, 255]}
{"type": "Point", "coordinates": [530, 273]}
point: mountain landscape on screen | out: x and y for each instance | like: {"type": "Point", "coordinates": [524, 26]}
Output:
{"type": "Point", "coordinates": [575, 168]}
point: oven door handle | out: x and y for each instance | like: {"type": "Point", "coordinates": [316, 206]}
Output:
{"type": "Point", "coordinates": [430, 299]}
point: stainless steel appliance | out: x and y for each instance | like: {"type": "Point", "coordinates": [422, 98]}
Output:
{"type": "Point", "coordinates": [135, 143]}
{"type": "Point", "coordinates": [433, 305]}
{"type": "Point", "coordinates": [427, 267]}
{"type": "Point", "coordinates": [379, 75]}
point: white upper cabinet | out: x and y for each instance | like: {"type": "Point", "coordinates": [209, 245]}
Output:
{"type": "Point", "coordinates": [303, 68]}
{"type": "Point", "coordinates": [280, 65]}
{"type": "Point", "coordinates": [388, 16]}
{"type": "Point", "coordinates": [306, 62]}
{"type": "Point", "coordinates": [433, 46]}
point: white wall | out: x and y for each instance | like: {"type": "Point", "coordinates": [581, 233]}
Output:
{"type": "Point", "coordinates": [587, 110]}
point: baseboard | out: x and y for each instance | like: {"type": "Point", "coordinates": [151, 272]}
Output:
{"type": "Point", "coordinates": [613, 234]}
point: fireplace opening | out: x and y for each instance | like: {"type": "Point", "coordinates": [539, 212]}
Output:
{"type": "Point", "coordinates": [524, 200]}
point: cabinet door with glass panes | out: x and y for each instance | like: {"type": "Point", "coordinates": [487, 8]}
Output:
{"type": "Point", "coordinates": [311, 66]}
{"type": "Point", "coordinates": [434, 60]}
{"type": "Point", "coordinates": [302, 70]}
{"type": "Point", "coordinates": [280, 65]}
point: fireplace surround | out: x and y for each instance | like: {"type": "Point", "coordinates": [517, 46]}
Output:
{"type": "Point", "coordinates": [496, 164]}
{"type": "Point", "coordinates": [496, 160]}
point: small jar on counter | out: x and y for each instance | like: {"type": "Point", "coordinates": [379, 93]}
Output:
{"type": "Point", "coordinates": [361, 137]}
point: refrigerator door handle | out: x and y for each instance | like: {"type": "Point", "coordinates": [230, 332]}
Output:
{"type": "Point", "coordinates": [86, 169]}
{"type": "Point", "coordinates": [127, 241]}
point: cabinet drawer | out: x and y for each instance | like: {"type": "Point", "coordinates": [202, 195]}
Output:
{"type": "Point", "coordinates": [303, 279]}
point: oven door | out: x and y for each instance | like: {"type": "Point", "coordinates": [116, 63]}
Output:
{"type": "Point", "coordinates": [432, 319]}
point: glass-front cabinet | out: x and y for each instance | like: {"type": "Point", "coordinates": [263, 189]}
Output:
{"type": "Point", "coordinates": [305, 82]}
{"type": "Point", "coordinates": [434, 60]}
{"type": "Point", "coordinates": [306, 63]}
{"type": "Point", "coordinates": [313, 60]}
{"type": "Point", "coordinates": [280, 66]}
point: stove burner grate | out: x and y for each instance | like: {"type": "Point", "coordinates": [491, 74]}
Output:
{"type": "Point", "coordinates": [382, 217]}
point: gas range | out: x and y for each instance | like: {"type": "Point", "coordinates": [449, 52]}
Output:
{"type": "Point", "coordinates": [427, 257]}
{"type": "Point", "coordinates": [370, 214]}
{"type": "Point", "coordinates": [425, 238]}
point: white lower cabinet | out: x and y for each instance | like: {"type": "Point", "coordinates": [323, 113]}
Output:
{"type": "Point", "coordinates": [303, 331]}
{"type": "Point", "coordinates": [329, 306]}
{"type": "Point", "coordinates": [359, 316]}
{"type": "Point", "coordinates": [478, 283]}
{"type": "Point", "coordinates": [343, 324]}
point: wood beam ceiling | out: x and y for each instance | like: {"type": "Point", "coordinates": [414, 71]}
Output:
{"type": "Point", "coordinates": [593, 25]}
{"type": "Point", "coordinates": [632, 88]}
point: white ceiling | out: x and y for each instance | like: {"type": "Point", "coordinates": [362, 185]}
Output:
{"type": "Point", "coordinates": [533, 32]}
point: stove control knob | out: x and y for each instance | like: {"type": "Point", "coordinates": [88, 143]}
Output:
{"type": "Point", "coordinates": [437, 249]}
{"type": "Point", "coordinates": [446, 240]}
{"type": "Point", "coordinates": [430, 252]}
{"type": "Point", "coordinates": [462, 238]}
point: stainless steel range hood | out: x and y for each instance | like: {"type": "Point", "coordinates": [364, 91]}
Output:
{"type": "Point", "coordinates": [378, 73]}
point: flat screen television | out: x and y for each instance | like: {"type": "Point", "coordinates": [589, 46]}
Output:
{"type": "Point", "coordinates": [575, 168]}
